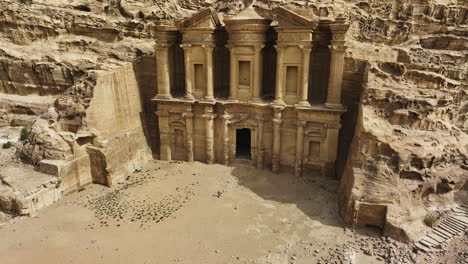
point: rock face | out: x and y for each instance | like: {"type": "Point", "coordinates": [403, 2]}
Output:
{"type": "Point", "coordinates": [409, 150]}
{"type": "Point", "coordinates": [81, 73]}
{"type": "Point", "coordinates": [77, 85]}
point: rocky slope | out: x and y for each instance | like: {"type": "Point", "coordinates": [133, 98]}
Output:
{"type": "Point", "coordinates": [409, 152]}
{"type": "Point", "coordinates": [90, 67]}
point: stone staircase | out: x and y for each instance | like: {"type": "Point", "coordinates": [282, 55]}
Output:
{"type": "Point", "coordinates": [453, 226]}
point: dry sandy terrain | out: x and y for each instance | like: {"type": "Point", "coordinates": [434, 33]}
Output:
{"type": "Point", "coordinates": [196, 213]}
{"type": "Point", "coordinates": [172, 213]}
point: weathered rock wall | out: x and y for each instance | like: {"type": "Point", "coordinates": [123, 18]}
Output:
{"type": "Point", "coordinates": [403, 144]}
{"type": "Point", "coordinates": [115, 113]}
{"type": "Point", "coordinates": [409, 150]}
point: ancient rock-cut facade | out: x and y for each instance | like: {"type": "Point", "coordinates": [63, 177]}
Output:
{"type": "Point", "coordinates": [209, 125]}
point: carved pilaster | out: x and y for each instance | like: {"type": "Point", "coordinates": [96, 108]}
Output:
{"type": "Point", "coordinates": [279, 89]}
{"type": "Point", "coordinates": [337, 51]}
{"type": "Point", "coordinates": [209, 72]}
{"type": "Point", "coordinates": [162, 65]}
{"type": "Point", "coordinates": [304, 87]}
{"type": "Point", "coordinates": [234, 75]}
{"type": "Point", "coordinates": [333, 130]}
{"type": "Point", "coordinates": [257, 84]}
{"type": "Point", "coordinates": [209, 116]}
{"type": "Point", "coordinates": [165, 135]}
{"type": "Point", "coordinates": [188, 72]}
{"type": "Point", "coordinates": [226, 142]}
{"type": "Point", "coordinates": [261, 148]}
{"type": "Point", "coordinates": [277, 121]}
{"type": "Point", "coordinates": [189, 135]}
{"type": "Point", "coordinates": [299, 147]}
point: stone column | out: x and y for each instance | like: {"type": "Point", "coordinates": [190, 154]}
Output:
{"type": "Point", "coordinates": [165, 135]}
{"type": "Point", "coordinates": [209, 116]}
{"type": "Point", "coordinates": [276, 138]}
{"type": "Point", "coordinates": [162, 64]}
{"type": "Point", "coordinates": [188, 72]}
{"type": "Point", "coordinates": [226, 140]}
{"type": "Point", "coordinates": [336, 76]}
{"type": "Point", "coordinates": [279, 75]}
{"type": "Point", "coordinates": [257, 85]}
{"type": "Point", "coordinates": [333, 130]}
{"type": "Point", "coordinates": [304, 86]}
{"type": "Point", "coordinates": [233, 75]}
{"type": "Point", "coordinates": [189, 134]}
{"type": "Point", "coordinates": [209, 72]}
{"type": "Point", "coordinates": [260, 147]}
{"type": "Point", "coordinates": [299, 147]}
{"type": "Point", "coordinates": [337, 50]}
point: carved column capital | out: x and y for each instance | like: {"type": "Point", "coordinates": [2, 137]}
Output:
{"type": "Point", "coordinates": [162, 113]}
{"type": "Point", "coordinates": [208, 47]}
{"type": "Point", "coordinates": [185, 46]}
{"type": "Point", "coordinates": [162, 45]}
{"type": "Point", "coordinates": [277, 121]}
{"type": "Point", "coordinates": [187, 115]}
{"type": "Point", "coordinates": [301, 123]}
{"type": "Point", "coordinates": [306, 48]}
{"type": "Point", "coordinates": [333, 125]}
{"type": "Point", "coordinates": [227, 117]}
{"type": "Point", "coordinates": [209, 116]}
{"type": "Point", "coordinates": [258, 48]}
{"type": "Point", "coordinates": [280, 48]}
{"type": "Point", "coordinates": [277, 112]}
{"type": "Point", "coordinates": [231, 48]}
{"type": "Point", "coordinates": [337, 48]}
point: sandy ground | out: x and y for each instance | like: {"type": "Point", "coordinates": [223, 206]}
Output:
{"type": "Point", "coordinates": [195, 213]}
{"type": "Point", "coordinates": [171, 213]}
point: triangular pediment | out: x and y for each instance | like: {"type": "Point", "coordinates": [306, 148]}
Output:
{"type": "Point", "coordinates": [206, 18]}
{"type": "Point", "coordinates": [287, 18]}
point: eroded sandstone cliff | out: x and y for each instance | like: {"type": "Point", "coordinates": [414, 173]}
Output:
{"type": "Point", "coordinates": [81, 73]}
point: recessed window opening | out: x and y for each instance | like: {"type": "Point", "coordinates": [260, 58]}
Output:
{"type": "Point", "coordinates": [244, 73]}
{"type": "Point", "coordinates": [199, 77]}
{"type": "Point", "coordinates": [292, 75]}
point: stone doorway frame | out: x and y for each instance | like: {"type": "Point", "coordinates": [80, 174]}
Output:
{"type": "Point", "coordinates": [253, 142]}
{"type": "Point", "coordinates": [247, 131]}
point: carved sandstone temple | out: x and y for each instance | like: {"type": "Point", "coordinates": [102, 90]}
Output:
{"type": "Point", "coordinates": [240, 89]}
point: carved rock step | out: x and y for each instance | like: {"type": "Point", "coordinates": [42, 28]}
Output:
{"type": "Point", "coordinates": [448, 230]}
{"type": "Point", "coordinates": [455, 224]}
{"type": "Point", "coordinates": [451, 227]}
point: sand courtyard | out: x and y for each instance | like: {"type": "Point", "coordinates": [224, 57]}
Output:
{"type": "Point", "coordinates": [176, 212]}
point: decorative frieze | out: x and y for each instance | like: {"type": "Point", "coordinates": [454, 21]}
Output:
{"type": "Point", "coordinates": [198, 37]}
{"type": "Point", "coordinates": [295, 37]}
{"type": "Point", "coordinates": [246, 37]}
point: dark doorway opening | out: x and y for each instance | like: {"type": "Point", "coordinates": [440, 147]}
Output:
{"type": "Point", "coordinates": [243, 142]}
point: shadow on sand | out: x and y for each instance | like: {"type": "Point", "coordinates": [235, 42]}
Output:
{"type": "Point", "coordinates": [315, 196]}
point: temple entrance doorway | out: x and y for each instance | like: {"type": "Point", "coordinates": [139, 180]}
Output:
{"type": "Point", "coordinates": [243, 143]}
